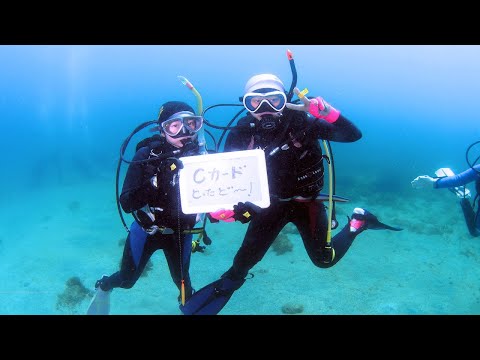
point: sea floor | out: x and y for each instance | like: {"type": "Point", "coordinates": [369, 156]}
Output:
{"type": "Point", "coordinates": [429, 268]}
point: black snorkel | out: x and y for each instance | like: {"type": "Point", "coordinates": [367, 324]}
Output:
{"type": "Point", "coordinates": [333, 223]}
{"type": "Point", "coordinates": [294, 75]}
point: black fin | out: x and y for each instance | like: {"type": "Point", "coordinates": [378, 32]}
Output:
{"type": "Point", "coordinates": [210, 299]}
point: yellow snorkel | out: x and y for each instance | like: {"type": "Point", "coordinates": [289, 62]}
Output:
{"type": "Point", "coordinates": [201, 133]}
{"type": "Point", "coordinates": [330, 196]}
{"type": "Point", "coordinates": [189, 85]}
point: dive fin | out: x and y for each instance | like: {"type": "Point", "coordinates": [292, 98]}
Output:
{"type": "Point", "coordinates": [371, 221]}
{"type": "Point", "coordinates": [381, 226]}
{"type": "Point", "coordinates": [210, 299]}
{"type": "Point", "coordinates": [375, 224]}
{"type": "Point", "coordinates": [100, 304]}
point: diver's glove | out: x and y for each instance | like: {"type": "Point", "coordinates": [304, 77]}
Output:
{"type": "Point", "coordinates": [317, 107]}
{"type": "Point", "coordinates": [172, 165]}
{"type": "Point", "coordinates": [242, 212]}
{"type": "Point", "coordinates": [166, 171]}
{"type": "Point", "coordinates": [222, 214]}
{"type": "Point", "coordinates": [424, 181]}
{"type": "Point", "coordinates": [320, 109]}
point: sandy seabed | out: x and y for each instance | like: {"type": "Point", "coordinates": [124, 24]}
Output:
{"type": "Point", "coordinates": [429, 268]}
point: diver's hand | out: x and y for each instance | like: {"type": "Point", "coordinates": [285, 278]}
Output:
{"type": "Point", "coordinates": [317, 107]}
{"type": "Point", "coordinates": [241, 212]}
{"type": "Point", "coordinates": [222, 214]}
{"type": "Point", "coordinates": [171, 165]}
{"type": "Point", "coordinates": [423, 181]}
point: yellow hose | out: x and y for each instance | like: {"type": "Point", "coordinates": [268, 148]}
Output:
{"type": "Point", "coordinates": [182, 291]}
{"type": "Point", "coordinates": [188, 84]}
{"type": "Point", "coordinates": [330, 181]}
{"type": "Point", "coordinates": [330, 194]}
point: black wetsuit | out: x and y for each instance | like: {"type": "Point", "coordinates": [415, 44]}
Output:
{"type": "Point", "coordinates": [137, 192]}
{"type": "Point", "coordinates": [296, 171]}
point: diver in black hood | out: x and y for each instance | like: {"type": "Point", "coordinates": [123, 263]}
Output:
{"type": "Point", "coordinates": [151, 194]}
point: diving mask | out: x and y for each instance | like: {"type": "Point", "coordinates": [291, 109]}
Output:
{"type": "Point", "coordinates": [264, 102]}
{"type": "Point", "coordinates": [183, 123]}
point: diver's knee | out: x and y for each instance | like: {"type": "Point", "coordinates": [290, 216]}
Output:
{"type": "Point", "coordinates": [325, 258]}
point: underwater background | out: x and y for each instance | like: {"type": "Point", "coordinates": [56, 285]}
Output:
{"type": "Point", "coordinates": [66, 110]}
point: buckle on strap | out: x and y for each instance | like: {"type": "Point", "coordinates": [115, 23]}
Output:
{"type": "Point", "coordinates": [166, 230]}
{"type": "Point", "coordinates": [152, 230]}
{"type": "Point", "coordinates": [169, 231]}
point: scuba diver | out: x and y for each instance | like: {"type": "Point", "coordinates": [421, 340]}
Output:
{"type": "Point", "coordinates": [151, 194]}
{"type": "Point", "coordinates": [446, 179]}
{"type": "Point", "coordinates": [289, 135]}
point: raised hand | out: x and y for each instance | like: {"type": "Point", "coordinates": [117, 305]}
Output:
{"type": "Point", "coordinates": [423, 181]}
{"type": "Point", "coordinates": [317, 107]}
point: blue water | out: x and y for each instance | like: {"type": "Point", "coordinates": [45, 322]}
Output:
{"type": "Point", "coordinates": [66, 110]}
